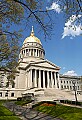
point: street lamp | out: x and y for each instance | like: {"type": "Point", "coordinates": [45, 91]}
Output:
{"type": "Point", "coordinates": [74, 88]}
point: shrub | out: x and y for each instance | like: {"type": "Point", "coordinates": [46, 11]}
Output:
{"type": "Point", "coordinates": [19, 98]}
{"type": "Point", "coordinates": [45, 103]}
{"type": "Point", "coordinates": [71, 102]}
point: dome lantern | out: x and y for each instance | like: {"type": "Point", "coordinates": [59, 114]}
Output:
{"type": "Point", "coordinates": [32, 32]}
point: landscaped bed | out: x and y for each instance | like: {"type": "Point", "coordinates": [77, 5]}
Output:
{"type": "Point", "coordinates": [6, 114]}
{"type": "Point", "coordinates": [60, 111]}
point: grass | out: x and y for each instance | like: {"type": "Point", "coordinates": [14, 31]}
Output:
{"type": "Point", "coordinates": [62, 112]}
{"type": "Point", "coordinates": [6, 114]}
{"type": "Point", "coordinates": [22, 102]}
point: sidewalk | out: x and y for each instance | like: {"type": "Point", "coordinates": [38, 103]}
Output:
{"type": "Point", "coordinates": [26, 113]}
{"type": "Point", "coordinates": [71, 105]}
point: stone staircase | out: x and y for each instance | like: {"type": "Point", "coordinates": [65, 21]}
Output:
{"type": "Point", "coordinates": [55, 94]}
{"type": "Point", "coordinates": [52, 94]}
{"type": "Point", "coordinates": [35, 91]}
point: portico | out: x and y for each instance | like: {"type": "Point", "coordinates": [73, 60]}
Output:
{"type": "Point", "coordinates": [42, 79]}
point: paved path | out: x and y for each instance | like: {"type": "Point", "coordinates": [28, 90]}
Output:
{"type": "Point", "coordinates": [26, 113]}
{"type": "Point", "coordinates": [72, 105]}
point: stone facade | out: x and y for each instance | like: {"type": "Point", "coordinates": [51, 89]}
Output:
{"type": "Point", "coordinates": [66, 82]}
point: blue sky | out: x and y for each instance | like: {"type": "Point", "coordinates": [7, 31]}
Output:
{"type": "Point", "coordinates": [66, 52]}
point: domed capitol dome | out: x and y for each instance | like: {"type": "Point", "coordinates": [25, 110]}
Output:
{"type": "Point", "coordinates": [32, 38]}
{"type": "Point", "coordinates": [32, 49]}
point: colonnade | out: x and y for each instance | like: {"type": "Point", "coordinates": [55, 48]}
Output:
{"type": "Point", "coordinates": [32, 52]}
{"type": "Point", "coordinates": [43, 79]}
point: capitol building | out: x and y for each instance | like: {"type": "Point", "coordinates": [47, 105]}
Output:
{"type": "Point", "coordinates": [39, 76]}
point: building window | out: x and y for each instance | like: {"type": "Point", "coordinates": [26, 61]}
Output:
{"type": "Point", "coordinates": [6, 94]}
{"type": "Point", "coordinates": [67, 82]}
{"type": "Point", "coordinates": [67, 87]}
{"type": "Point", "coordinates": [0, 94]}
{"type": "Point", "coordinates": [73, 88]}
{"type": "Point", "coordinates": [13, 85]}
{"type": "Point", "coordinates": [64, 81]}
{"type": "Point", "coordinates": [62, 86]}
{"type": "Point", "coordinates": [1, 85]}
{"type": "Point", "coordinates": [78, 87]}
{"type": "Point", "coordinates": [70, 82]}
{"type": "Point", "coordinates": [61, 81]}
{"type": "Point", "coordinates": [70, 88]}
{"type": "Point", "coordinates": [12, 94]}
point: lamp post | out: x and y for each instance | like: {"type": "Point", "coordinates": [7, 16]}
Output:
{"type": "Point", "coordinates": [74, 82]}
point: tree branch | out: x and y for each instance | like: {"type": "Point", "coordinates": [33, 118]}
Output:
{"type": "Point", "coordinates": [37, 18]}
{"type": "Point", "coordinates": [79, 5]}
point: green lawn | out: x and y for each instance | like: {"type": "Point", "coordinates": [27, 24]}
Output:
{"type": "Point", "coordinates": [22, 102]}
{"type": "Point", "coordinates": [61, 111]}
{"type": "Point", "coordinates": [6, 114]}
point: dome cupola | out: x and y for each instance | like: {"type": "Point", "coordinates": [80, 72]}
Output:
{"type": "Point", "coordinates": [32, 49]}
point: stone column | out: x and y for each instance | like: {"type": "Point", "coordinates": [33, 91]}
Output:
{"type": "Point", "coordinates": [48, 79]}
{"type": "Point", "coordinates": [39, 53]}
{"type": "Point", "coordinates": [29, 52]}
{"type": "Point", "coordinates": [59, 81]}
{"type": "Point", "coordinates": [36, 53]}
{"type": "Point", "coordinates": [17, 82]}
{"type": "Point", "coordinates": [25, 52]}
{"type": "Point", "coordinates": [43, 79]}
{"type": "Point", "coordinates": [30, 78]}
{"type": "Point", "coordinates": [39, 82]}
{"type": "Point", "coordinates": [52, 81]}
{"type": "Point", "coordinates": [33, 52]}
{"type": "Point", "coordinates": [26, 81]}
{"type": "Point", "coordinates": [43, 54]}
{"type": "Point", "coordinates": [55, 80]}
{"type": "Point", "coordinates": [35, 80]}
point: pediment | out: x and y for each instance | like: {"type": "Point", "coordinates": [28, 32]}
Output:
{"type": "Point", "coordinates": [46, 64]}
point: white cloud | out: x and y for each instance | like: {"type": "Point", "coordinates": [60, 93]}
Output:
{"type": "Point", "coordinates": [55, 6]}
{"type": "Point", "coordinates": [72, 28]}
{"type": "Point", "coordinates": [70, 73]}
